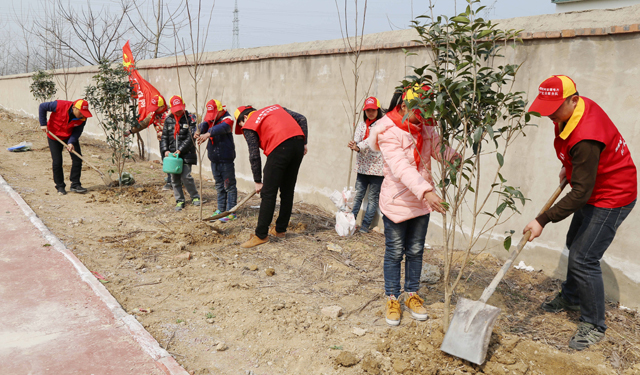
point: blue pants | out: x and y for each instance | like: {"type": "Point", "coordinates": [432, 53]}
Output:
{"type": "Point", "coordinates": [406, 238]}
{"type": "Point", "coordinates": [590, 234]}
{"type": "Point", "coordinates": [373, 183]}
{"type": "Point", "coordinates": [224, 175]}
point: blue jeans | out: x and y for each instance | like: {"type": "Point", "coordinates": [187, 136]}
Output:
{"type": "Point", "coordinates": [591, 231]}
{"type": "Point", "coordinates": [362, 182]}
{"type": "Point", "coordinates": [224, 175]}
{"type": "Point", "coordinates": [406, 238]}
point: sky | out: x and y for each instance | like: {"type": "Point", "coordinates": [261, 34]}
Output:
{"type": "Point", "coordinates": [274, 22]}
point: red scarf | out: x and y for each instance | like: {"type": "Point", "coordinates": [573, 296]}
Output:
{"type": "Point", "coordinates": [411, 129]}
{"type": "Point", "coordinates": [368, 123]}
{"type": "Point", "coordinates": [176, 128]}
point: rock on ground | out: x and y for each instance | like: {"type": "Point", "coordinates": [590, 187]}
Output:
{"type": "Point", "coordinates": [370, 365]}
{"type": "Point", "coordinates": [400, 366]}
{"type": "Point", "coordinates": [347, 359]}
{"type": "Point", "coordinates": [332, 312]}
{"type": "Point", "coordinates": [430, 274]}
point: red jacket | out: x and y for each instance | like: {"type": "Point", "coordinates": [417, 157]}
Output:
{"type": "Point", "coordinates": [59, 123]}
{"type": "Point", "coordinates": [616, 182]}
{"type": "Point", "coordinates": [273, 125]}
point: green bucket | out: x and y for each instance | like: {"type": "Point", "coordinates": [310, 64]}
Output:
{"type": "Point", "coordinates": [172, 164]}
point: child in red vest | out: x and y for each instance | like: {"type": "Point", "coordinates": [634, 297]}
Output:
{"type": "Point", "coordinates": [596, 162]}
{"type": "Point", "coordinates": [67, 122]}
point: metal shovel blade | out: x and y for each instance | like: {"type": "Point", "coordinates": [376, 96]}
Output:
{"type": "Point", "coordinates": [470, 330]}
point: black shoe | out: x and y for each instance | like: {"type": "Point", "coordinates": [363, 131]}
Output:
{"type": "Point", "coordinates": [78, 189]}
{"type": "Point", "coordinates": [559, 304]}
{"type": "Point", "coordinates": [586, 335]}
{"type": "Point", "coordinates": [61, 191]}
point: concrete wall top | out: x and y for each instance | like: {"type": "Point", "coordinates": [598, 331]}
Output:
{"type": "Point", "coordinates": [569, 24]}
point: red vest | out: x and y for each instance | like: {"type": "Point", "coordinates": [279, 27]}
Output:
{"type": "Point", "coordinates": [616, 182]}
{"type": "Point", "coordinates": [59, 123]}
{"type": "Point", "coordinates": [273, 125]}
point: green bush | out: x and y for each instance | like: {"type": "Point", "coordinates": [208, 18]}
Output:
{"type": "Point", "coordinates": [42, 86]}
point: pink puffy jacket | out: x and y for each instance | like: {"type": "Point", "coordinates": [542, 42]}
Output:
{"type": "Point", "coordinates": [404, 186]}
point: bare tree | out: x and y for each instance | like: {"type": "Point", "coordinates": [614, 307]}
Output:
{"type": "Point", "coordinates": [196, 46]}
{"type": "Point", "coordinates": [24, 56]}
{"type": "Point", "coordinates": [155, 23]}
{"type": "Point", "coordinates": [85, 36]}
{"type": "Point", "coordinates": [353, 45]}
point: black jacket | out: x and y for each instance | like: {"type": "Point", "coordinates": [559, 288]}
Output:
{"type": "Point", "coordinates": [183, 141]}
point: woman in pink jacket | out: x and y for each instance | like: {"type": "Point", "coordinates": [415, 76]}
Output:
{"type": "Point", "coordinates": [407, 197]}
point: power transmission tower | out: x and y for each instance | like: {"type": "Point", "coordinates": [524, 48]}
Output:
{"type": "Point", "coordinates": [236, 29]}
{"type": "Point", "coordinates": [489, 9]}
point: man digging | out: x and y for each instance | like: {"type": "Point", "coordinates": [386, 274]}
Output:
{"type": "Point", "coordinates": [282, 135]}
{"type": "Point", "coordinates": [66, 122]}
{"type": "Point", "coordinates": [597, 164]}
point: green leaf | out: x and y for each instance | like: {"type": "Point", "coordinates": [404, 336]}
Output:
{"type": "Point", "coordinates": [460, 19]}
{"type": "Point", "coordinates": [500, 159]}
{"type": "Point", "coordinates": [501, 208]}
{"type": "Point", "coordinates": [507, 243]}
{"type": "Point", "coordinates": [484, 33]}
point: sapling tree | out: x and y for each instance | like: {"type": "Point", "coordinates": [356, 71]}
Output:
{"type": "Point", "coordinates": [112, 98]}
{"type": "Point", "coordinates": [470, 96]}
{"type": "Point", "coordinates": [353, 45]}
{"type": "Point", "coordinates": [196, 45]}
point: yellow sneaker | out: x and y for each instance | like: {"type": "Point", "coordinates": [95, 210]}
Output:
{"type": "Point", "coordinates": [394, 312]}
{"type": "Point", "coordinates": [415, 304]}
{"type": "Point", "coordinates": [254, 241]}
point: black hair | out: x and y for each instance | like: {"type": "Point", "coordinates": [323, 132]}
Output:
{"type": "Point", "coordinates": [378, 115]}
{"type": "Point", "coordinates": [244, 113]}
{"type": "Point", "coordinates": [568, 98]}
{"type": "Point", "coordinates": [396, 100]}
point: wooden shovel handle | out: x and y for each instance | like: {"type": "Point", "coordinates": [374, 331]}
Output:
{"type": "Point", "coordinates": [234, 209]}
{"type": "Point", "coordinates": [74, 151]}
{"type": "Point", "coordinates": [507, 265]}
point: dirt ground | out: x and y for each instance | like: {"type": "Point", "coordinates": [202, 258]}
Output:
{"type": "Point", "coordinates": [217, 310]}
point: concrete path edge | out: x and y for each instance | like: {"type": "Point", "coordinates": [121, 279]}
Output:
{"type": "Point", "coordinates": [148, 344]}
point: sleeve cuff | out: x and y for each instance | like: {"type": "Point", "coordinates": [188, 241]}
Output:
{"type": "Point", "coordinates": [543, 219]}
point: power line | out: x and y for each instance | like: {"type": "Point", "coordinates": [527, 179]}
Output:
{"type": "Point", "coordinates": [236, 29]}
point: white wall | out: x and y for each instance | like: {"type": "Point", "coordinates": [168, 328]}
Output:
{"type": "Point", "coordinates": [579, 5]}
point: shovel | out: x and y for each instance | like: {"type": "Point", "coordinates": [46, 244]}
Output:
{"type": "Point", "coordinates": [234, 209]}
{"type": "Point", "coordinates": [470, 329]}
{"type": "Point", "coordinates": [107, 181]}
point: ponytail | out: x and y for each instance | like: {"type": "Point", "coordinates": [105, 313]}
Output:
{"type": "Point", "coordinates": [396, 100]}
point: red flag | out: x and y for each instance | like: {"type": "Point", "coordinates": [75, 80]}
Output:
{"type": "Point", "coordinates": [127, 58]}
{"type": "Point", "coordinates": [143, 89]}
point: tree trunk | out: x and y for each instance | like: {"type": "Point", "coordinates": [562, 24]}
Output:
{"type": "Point", "coordinates": [140, 146]}
{"type": "Point", "coordinates": [447, 272]}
